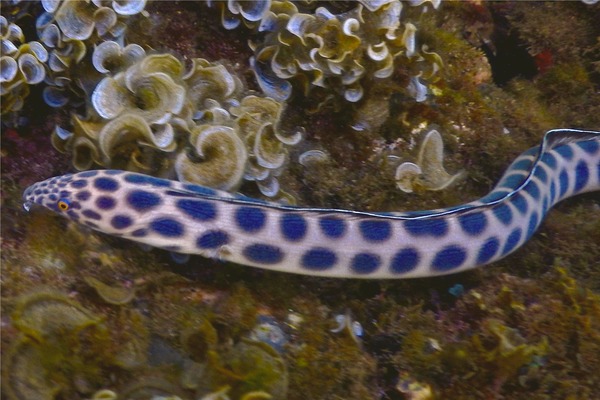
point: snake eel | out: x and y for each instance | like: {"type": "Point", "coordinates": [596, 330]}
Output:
{"type": "Point", "coordinates": [191, 219]}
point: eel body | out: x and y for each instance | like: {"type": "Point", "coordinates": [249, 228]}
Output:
{"type": "Point", "coordinates": [191, 219]}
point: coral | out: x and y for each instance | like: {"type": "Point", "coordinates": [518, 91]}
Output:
{"type": "Point", "coordinates": [58, 343]}
{"type": "Point", "coordinates": [335, 51]}
{"type": "Point", "coordinates": [248, 367]}
{"type": "Point", "coordinates": [145, 102]}
{"type": "Point", "coordinates": [68, 29]}
{"type": "Point", "coordinates": [269, 331]}
{"type": "Point", "coordinates": [428, 173]}
{"type": "Point", "coordinates": [525, 328]}
{"type": "Point", "coordinates": [220, 154]}
{"type": "Point", "coordinates": [111, 294]}
{"type": "Point", "coordinates": [21, 65]}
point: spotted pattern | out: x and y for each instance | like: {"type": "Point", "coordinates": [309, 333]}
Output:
{"type": "Point", "coordinates": [147, 180]}
{"type": "Point", "coordinates": [105, 203]}
{"type": "Point", "coordinates": [250, 219]}
{"type": "Point", "coordinates": [79, 183]}
{"type": "Point", "coordinates": [293, 226]}
{"type": "Point", "coordinates": [106, 184]}
{"type": "Point", "coordinates": [512, 241]}
{"type": "Point", "coordinates": [405, 261]}
{"type": "Point", "coordinates": [142, 200]}
{"type": "Point", "coordinates": [375, 230]}
{"type": "Point", "coordinates": [488, 250]}
{"type": "Point", "coordinates": [449, 257]}
{"type": "Point", "coordinates": [193, 219]}
{"type": "Point", "coordinates": [318, 259]}
{"type": "Point", "coordinates": [121, 221]}
{"type": "Point", "coordinates": [200, 210]}
{"type": "Point", "coordinates": [212, 239]}
{"type": "Point", "coordinates": [435, 227]}
{"type": "Point", "coordinates": [167, 227]}
{"type": "Point", "coordinates": [365, 263]}
{"type": "Point", "coordinates": [473, 223]}
{"type": "Point", "coordinates": [333, 227]}
{"type": "Point", "coordinates": [582, 175]}
{"type": "Point", "coordinates": [263, 253]}
{"type": "Point", "coordinates": [83, 195]}
{"type": "Point", "coordinates": [91, 214]}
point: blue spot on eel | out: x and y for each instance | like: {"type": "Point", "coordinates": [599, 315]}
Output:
{"type": "Point", "coordinates": [331, 242]}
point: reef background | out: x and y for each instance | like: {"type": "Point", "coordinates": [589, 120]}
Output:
{"type": "Point", "coordinates": [83, 312]}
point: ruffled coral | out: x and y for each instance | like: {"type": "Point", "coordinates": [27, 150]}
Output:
{"type": "Point", "coordinates": [145, 103]}
{"type": "Point", "coordinates": [21, 65]}
{"type": "Point", "coordinates": [334, 51]}
{"type": "Point", "coordinates": [68, 29]}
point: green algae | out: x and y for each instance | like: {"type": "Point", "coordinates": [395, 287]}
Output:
{"type": "Point", "coordinates": [111, 294]}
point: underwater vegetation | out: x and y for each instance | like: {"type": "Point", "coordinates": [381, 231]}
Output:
{"type": "Point", "coordinates": [321, 49]}
{"type": "Point", "coordinates": [428, 173]}
{"type": "Point", "coordinates": [318, 103]}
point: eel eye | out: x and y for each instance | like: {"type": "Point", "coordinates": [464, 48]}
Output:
{"type": "Point", "coordinates": [63, 204]}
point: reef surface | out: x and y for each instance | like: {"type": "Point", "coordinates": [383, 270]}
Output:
{"type": "Point", "coordinates": [313, 103]}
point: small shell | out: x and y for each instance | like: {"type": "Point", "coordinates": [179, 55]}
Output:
{"type": "Point", "coordinates": [117, 295]}
{"type": "Point", "coordinates": [55, 97]}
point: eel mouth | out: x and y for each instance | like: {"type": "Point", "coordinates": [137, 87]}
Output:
{"type": "Point", "coordinates": [27, 205]}
{"type": "Point", "coordinates": [28, 197]}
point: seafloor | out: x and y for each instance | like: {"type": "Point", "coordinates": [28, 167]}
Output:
{"type": "Point", "coordinates": [90, 316]}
